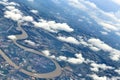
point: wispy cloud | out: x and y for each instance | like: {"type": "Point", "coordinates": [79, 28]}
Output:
{"type": "Point", "coordinates": [116, 1]}
{"type": "Point", "coordinates": [30, 0]}
{"type": "Point", "coordinates": [108, 20]}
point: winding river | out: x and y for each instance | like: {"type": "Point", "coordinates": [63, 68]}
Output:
{"type": "Point", "coordinates": [24, 35]}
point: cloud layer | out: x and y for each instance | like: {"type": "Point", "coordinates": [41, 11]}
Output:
{"type": "Point", "coordinates": [108, 20]}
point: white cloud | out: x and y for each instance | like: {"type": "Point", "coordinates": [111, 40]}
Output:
{"type": "Point", "coordinates": [13, 4]}
{"type": "Point", "coordinates": [28, 18]}
{"type": "Point", "coordinates": [52, 56]}
{"type": "Point", "coordinates": [94, 48]}
{"type": "Point", "coordinates": [62, 58]}
{"type": "Point", "coordinates": [108, 26]}
{"type": "Point", "coordinates": [12, 37]}
{"type": "Point", "coordinates": [10, 7]}
{"type": "Point", "coordinates": [5, 2]}
{"type": "Point", "coordinates": [104, 33]}
{"type": "Point", "coordinates": [30, 42]}
{"type": "Point", "coordinates": [118, 33]}
{"type": "Point", "coordinates": [68, 39]}
{"type": "Point", "coordinates": [78, 60]}
{"type": "Point", "coordinates": [109, 21]}
{"type": "Point", "coordinates": [96, 67]}
{"type": "Point", "coordinates": [96, 77]}
{"type": "Point", "coordinates": [118, 71]}
{"type": "Point", "coordinates": [82, 41]}
{"type": "Point", "coordinates": [52, 26]}
{"type": "Point", "coordinates": [13, 15]}
{"type": "Point", "coordinates": [99, 44]}
{"type": "Point", "coordinates": [114, 78]}
{"type": "Point", "coordinates": [77, 4]}
{"type": "Point", "coordinates": [31, 0]}
{"type": "Point", "coordinates": [34, 11]}
{"type": "Point", "coordinates": [114, 53]}
{"type": "Point", "coordinates": [116, 1]}
{"type": "Point", "coordinates": [46, 52]}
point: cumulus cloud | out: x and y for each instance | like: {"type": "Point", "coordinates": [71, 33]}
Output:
{"type": "Point", "coordinates": [114, 53]}
{"type": "Point", "coordinates": [68, 39]}
{"type": "Point", "coordinates": [30, 42]}
{"type": "Point", "coordinates": [13, 13]}
{"type": "Point", "coordinates": [114, 78]}
{"type": "Point", "coordinates": [16, 15]}
{"type": "Point", "coordinates": [82, 41]}
{"type": "Point", "coordinates": [53, 56]}
{"type": "Point", "coordinates": [28, 18]}
{"type": "Point", "coordinates": [118, 71]}
{"type": "Point", "coordinates": [96, 77]}
{"type": "Point", "coordinates": [96, 67]}
{"type": "Point", "coordinates": [46, 52]}
{"type": "Point", "coordinates": [13, 3]}
{"type": "Point", "coordinates": [52, 26]}
{"type": "Point", "coordinates": [86, 44]}
{"type": "Point", "coordinates": [5, 2]}
{"type": "Point", "coordinates": [78, 60]}
{"type": "Point", "coordinates": [98, 43]}
{"type": "Point", "coordinates": [10, 7]}
{"type": "Point", "coordinates": [94, 48]}
{"type": "Point", "coordinates": [12, 37]}
{"type": "Point", "coordinates": [34, 11]}
{"type": "Point", "coordinates": [62, 58]}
